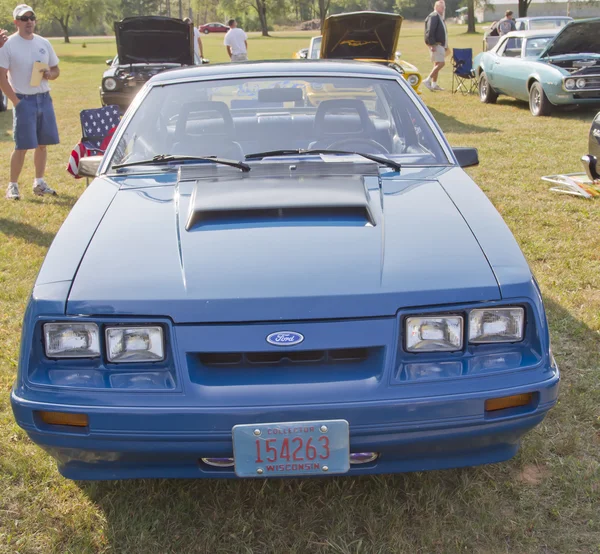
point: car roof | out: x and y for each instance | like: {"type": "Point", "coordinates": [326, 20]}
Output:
{"type": "Point", "coordinates": [532, 34]}
{"type": "Point", "coordinates": [289, 67]}
{"type": "Point", "coordinates": [541, 17]}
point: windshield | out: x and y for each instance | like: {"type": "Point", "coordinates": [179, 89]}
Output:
{"type": "Point", "coordinates": [231, 118]}
{"type": "Point", "coordinates": [535, 46]}
{"type": "Point", "coordinates": [535, 24]}
{"type": "Point", "coordinates": [315, 48]}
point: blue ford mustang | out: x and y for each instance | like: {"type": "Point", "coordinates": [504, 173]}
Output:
{"type": "Point", "coordinates": [282, 269]}
{"type": "Point", "coordinates": [544, 67]}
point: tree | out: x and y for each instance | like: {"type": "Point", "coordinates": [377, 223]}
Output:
{"type": "Point", "coordinates": [323, 9]}
{"type": "Point", "coordinates": [65, 11]}
{"type": "Point", "coordinates": [523, 7]}
{"type": "Point", "coordinates": [471, 16]}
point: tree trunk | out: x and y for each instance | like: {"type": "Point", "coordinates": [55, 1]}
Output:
{"type": "Point", "coordinates": [261, 8]}
{"type": "Point", "coordinates": [64, 25]}
{"type": "Point", "coordinates": [471, 16]}
{"type": "Point", "coordinates": [523, 7]}
{"type": "Point", "coordinates": [323, 9]}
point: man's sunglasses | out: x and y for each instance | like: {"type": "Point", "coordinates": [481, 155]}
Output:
{"type": "Point", "coordinates": [26, 18]}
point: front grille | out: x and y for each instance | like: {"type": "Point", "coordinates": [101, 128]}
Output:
{"type": "Point", "coordinates": [212, 359]}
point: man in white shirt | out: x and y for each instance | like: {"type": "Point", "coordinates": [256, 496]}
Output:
{"type": "Point", "coordinates": [236, 42]}
{"type": "Point", "coordinates": [198, 49]}
{"type": "Point", "coordinates": [34, 122]}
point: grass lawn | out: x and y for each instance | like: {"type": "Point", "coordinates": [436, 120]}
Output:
{"type": "Point", "coordinates": [547, 499]}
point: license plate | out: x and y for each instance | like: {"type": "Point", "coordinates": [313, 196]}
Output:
{"type": "Point", "coordinates": [291, 448]}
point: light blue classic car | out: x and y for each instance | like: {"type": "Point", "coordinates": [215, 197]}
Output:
{"type": "Point", "coordinates": [282, 269]}
{"type": "Point", "coordinates": [545, 67]}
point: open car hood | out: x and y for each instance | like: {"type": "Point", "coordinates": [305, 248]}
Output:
{"type": "Point", "coordinates": [154, 40]}
{"type": "Point", "coordinates": [577, 37]}
{"type": "Point", "coordinates": [361, 35]}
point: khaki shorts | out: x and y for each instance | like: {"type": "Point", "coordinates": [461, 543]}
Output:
{"type": "Point", "coordinates": [438, 54]}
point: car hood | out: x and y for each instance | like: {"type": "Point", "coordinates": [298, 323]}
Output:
{"type": "Point", "coordinates": [207, 251]}
{"type": "Point", "coordinates": [361, 35]}
{"type": "Point", "coordinates": [578, 37]}
{"type": "Point", "coordinates": [154, 39]}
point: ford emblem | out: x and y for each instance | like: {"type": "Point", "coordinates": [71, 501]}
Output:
{"type": "Point", "coordinates": [285, 338]}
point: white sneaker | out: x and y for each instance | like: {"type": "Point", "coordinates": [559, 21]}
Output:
{"type": "Point", "coordinates": [436, 87]}
{"type": "Point", "coordinates": [42, 188]}
{"type": "Point", "coordinates": [427, 84]}
{"type": "Point", "coordinates": [12, 191]}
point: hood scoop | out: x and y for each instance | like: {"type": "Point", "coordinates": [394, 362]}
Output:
{"type": "Point", "coordinates": [340, 201]}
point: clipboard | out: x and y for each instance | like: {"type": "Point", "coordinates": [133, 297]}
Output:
{"type": "Point", "coordinates": [36, 73]}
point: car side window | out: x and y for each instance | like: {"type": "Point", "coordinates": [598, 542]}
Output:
{"type": "Point", "coordinates": [511, 48]}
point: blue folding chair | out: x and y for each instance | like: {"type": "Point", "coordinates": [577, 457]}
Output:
{"type": "Point", "coordinates": [463, 76]}
{"type": "Point", "coordinates": [96, 123]}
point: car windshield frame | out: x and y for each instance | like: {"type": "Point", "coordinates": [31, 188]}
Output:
{"type": "Point", "coordinates": [444, 154]}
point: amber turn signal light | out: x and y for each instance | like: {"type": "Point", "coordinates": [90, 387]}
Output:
{"type": "Point", "coordinates": [62, 418]}
{"type": "Point", "coordinates": [504, 402]}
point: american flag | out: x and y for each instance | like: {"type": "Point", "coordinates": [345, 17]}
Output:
{"type": "Point", "coordinates": [96, 124]}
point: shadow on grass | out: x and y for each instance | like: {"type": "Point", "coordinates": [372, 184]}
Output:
{"type": "Point", "coordinates": [435, 511]}
{"type": "Point", "coordinates": [575, 113]}
{"type": "Point", "coordinates": [24, 231]}
{"type": "Point", "coordinates": [6, 124]}
{"type": "Point", "coordinates": [450, 124]}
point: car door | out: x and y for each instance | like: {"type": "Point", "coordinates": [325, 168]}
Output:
{"type": "Point", "coordinates": [507, 66]}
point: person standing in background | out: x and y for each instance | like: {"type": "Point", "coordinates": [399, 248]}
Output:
{"type": "Point", "coordinates": [34, 122]}
{"type": "Point", "coordinates": [236, 42]}
{"type": "Point", "coordinates": [507, 23]}
{"type": "Point", "coordinates": [198, 49]}
{"type": "Point", "coordinates": [436, 38]}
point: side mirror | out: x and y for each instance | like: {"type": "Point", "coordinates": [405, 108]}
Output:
{"type": "Point", "coordinates": [109, 62]}
{"type": "Point", "coordinates": [88, 166]}
{"type": "Point", "coordinates": [466, 156]}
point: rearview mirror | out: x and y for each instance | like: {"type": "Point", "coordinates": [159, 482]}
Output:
{"type": "Point", "coordinates": [88, 166]}
{"type": "Point", "coordinates": [466, 156]}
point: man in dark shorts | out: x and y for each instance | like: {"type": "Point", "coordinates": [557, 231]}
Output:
{"type": "Point", "coordinates": [34, 122]}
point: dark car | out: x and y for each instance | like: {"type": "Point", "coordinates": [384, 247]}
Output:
{"type": "Point", "coordinates": [145, 46]}
{"type": "Point", "coordinates": [213, 28]}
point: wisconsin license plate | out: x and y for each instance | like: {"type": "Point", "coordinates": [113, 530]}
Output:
{"type": "Point", "coordinates": [291, 448]}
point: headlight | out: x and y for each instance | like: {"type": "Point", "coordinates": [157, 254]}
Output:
{"type": "Point", "coordinates": [570, 84]}
{"type": "Point", "coordinates": [71, 340]}
{"type": "Point", "coordinates": [134, 344]}
{"type": "Point", "coordinates": [496, 325]}
{"type": "Point", "coordinates": [580, 83]}
{"type": "Point", "coordinates": [110, 84]}
{"type": "Point", "coordinates": [413, 80]}
{"type": "Point", "coordinates": [434, 333]}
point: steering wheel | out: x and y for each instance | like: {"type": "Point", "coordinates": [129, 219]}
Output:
{"type": "Point", "coordinates": [372, 146]}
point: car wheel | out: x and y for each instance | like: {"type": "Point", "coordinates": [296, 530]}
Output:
{"type": "Point", "coordinates": [539, 104]}
{"type": "Point", "coordinates": [3, 103]}
{"type": "Point", "coordinates": [486, 93]}
{"type": "Point", "coordinates": [205, 31]}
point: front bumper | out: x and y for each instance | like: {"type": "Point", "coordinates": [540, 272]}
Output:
{"type": "Point", "coordinates": [119, 97]}
{"type": "Point", "coordinates": [409, 434]}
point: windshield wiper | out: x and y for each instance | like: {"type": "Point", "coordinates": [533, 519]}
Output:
{"type": "Point", "coordinates": [165, 158]}
{"type": "Point", "coordinates": [301, 151]}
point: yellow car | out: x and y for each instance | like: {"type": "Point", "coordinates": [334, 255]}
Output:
{"type": "Point", "coordinates": [368, 37]}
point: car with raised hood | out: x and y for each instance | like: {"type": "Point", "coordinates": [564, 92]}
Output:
{"type": "Point", "coordinates": [256, 286]}
{"type": "Point", "coordinates": [366, 36]}
{"type": "Point", "coordinates": [547, 68]}
{"type": "Point", "coordinates": [146, 46]}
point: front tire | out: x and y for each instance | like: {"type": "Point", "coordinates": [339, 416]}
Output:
{"type": "Point", "coordinates": [487, 94]}
{"type": "Point", "coordinates": [206, 31]}
{"type": "Point", "coordinates": [539, 105]}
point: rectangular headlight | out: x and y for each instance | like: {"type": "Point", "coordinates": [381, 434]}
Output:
{"type": "Point", "coordinates": [496, 325]}
{"type": "Point", "coordinates": [71, 340]}
{"type": "Point", "coordinates": [434, 333]}
{"type": "Point", "coordinates": [134, 344]}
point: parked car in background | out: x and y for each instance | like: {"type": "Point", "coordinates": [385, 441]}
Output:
{"type": "Point", "coordinates": [302, 54]}
{"type": "Point", "coordinates": [541, 22]}
{"type": "Point", "coordinates": [257, 286]}
{"type": "Point", "coordinates": [314, 50]}
{"type": "Point", "coordinates": [213, 28]}
{"type": "Point", "coordinates": [146, 46]}
{"type": "Point", "coordinates": [369, 37]}
{"type": "Point", "coordinates": [546, 67]}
